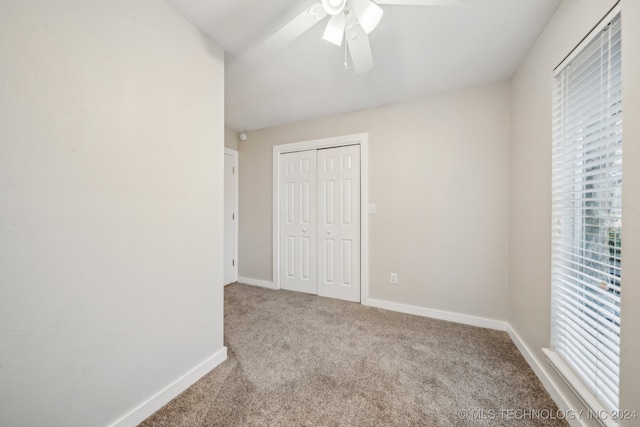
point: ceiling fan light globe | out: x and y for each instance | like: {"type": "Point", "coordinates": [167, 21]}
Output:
{"type": "Point", "coordinates": [334, 32]}
{"type": "Point", "coordinates": [368, 14]}
{"type": "Point", "coordinates": [334, 7]}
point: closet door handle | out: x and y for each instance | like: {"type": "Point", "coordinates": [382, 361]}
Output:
{"type": "Point", "coordinates": [304, 230]}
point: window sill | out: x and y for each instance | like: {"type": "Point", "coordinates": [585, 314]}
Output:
{"type": "Point", "coordinates": [597, 410]}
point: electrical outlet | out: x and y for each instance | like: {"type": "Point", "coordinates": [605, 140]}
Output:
{"type": "Point", "coordinates": [394, 278]}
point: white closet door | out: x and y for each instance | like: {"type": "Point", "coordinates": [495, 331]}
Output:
{"type": "Point", "coordinates": [339, 223]}
{"type": "Point", "coordinates": [298, 222]}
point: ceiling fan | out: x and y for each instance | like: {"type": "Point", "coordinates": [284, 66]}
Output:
{"type": "Point", "coordinates": [350, 20]}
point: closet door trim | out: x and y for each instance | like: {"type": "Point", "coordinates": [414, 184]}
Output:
{"type": "Point", "coordinates": [361, 139]}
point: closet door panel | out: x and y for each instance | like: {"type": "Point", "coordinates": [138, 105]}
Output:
{"type": "Point", "coordinates": [298, 222]}
{"type": "Point", "coordinates": [339, 222]}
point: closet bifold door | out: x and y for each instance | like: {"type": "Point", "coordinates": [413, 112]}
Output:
{"type": "Point", "coordinates": [339, 223]}
{"type": "Point", "coordinates": [298, 222]}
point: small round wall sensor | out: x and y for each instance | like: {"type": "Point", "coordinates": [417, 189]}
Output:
{"type": "Point", "coordinates": [243, 136]}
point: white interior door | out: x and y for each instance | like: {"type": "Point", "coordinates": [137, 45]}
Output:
{"type": "Point", "coordinates": [230, 218]}
{"type": "Point", "coordinates": [298, 224]}
{"type": "Point", "coordinates": [339, 223]}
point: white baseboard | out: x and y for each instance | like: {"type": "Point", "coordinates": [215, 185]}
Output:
{"type": "Point", "coordinates": [549, 384]}
{"type": "Point", "coordinates": [438, 314]}
{"type": "Point", "coordinates": [164, 396]}
{"type": "Point", "coordinates": [256, 282]}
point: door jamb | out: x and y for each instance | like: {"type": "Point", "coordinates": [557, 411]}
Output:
{"type": "Point", "coordinates": [235, 155]}
{"type": "Point", "coordinates": [361, 139]}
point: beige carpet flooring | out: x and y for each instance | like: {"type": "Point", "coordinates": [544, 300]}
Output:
{"type": "Point", "coordinates": [302, 360]}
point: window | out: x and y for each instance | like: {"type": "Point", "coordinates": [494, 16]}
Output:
{"type": "Point", "coordinates": [587, 214]}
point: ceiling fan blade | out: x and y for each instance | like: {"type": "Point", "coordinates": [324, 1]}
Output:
{"type": "Point", "coordinates": [291, 31]}
{"type": "Point", "coordinates": [285, 35]}
{"type": "Point", "coordinates": [360, 50]}
{"type": "Point", "coordinates": [422, 2]}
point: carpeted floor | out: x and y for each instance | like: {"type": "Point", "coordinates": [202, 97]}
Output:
{"type": "Point", "coordinates": [298, 359]}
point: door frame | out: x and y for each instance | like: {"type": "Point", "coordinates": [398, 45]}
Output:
{"type": "Point", "coordinates": [235, 155]}
{"type": "Point", "coordinates": [361, 139]}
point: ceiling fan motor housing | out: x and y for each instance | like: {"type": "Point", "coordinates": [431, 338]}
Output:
{"type": "Point", "coordinates": [334, 7]}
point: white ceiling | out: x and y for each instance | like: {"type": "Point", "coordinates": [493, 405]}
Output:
{"type": "Point", "coordinates": [417, 51]}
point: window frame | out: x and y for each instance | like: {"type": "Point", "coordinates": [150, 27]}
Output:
{"type": "Point", "coordinates": [570, 374]}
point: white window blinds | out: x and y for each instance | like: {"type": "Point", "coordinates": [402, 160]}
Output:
{"type": "Point", "coordinates": [586, 210]}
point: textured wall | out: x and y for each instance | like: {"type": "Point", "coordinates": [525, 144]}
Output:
{"type": "Point", "coordinates": [111, 180]}
{"type": "Point", "coordinates": [438, 173]}
{"type": "Point", "coordinates": [530, 177]}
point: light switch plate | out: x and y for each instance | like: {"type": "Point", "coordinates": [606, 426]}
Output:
{"type": "Point", "coordinates": [372, 208]}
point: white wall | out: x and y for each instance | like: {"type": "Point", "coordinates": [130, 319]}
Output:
{"type": "Point", "coordinates": [230, 139]}
{"type": "Point", "coordinates": [530, 177]}
{"type": "Point", "coordinates": [630, 370]}
{"type": "Point", "coordinates": [438, 173]}
{"type": "Point", "coordinates": [111, 181]}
